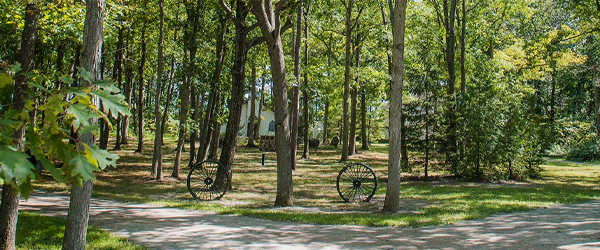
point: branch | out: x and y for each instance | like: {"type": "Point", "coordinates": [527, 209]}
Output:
{"type": "Point", "coordinates": [262, 39]}
{"type": "Point", "coordinates": [230, 13]}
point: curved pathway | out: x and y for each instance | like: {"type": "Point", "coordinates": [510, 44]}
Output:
{"type": "Point", "coordinates": [562, 227]}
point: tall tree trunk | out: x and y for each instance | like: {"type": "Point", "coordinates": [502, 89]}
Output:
{"type": "Point", "coordinates": [305, 153]}
{"type": "Point", "coordinates": [295, 109]}
{"type": "Point", "coordinates": [209, 115]}
{"type": "Point", "coordinates": [195, 104]}
{"type": "Point", "coordinates": [449, 18]}
{"type": "Point", "coordinates": [597, 100]}
{"type": "Point", "coordinates": [140, 105]}
{"type": "Point", "coordinates": [118, 69]}
{"type": "Point", "coordinates": [76, 64]}
{"type": "Point", "coordinates": [345, 117]}
{"type": "Point", "coordinates": [250, 131]}
{"type": "Point", "coordinates": [157, 155]}
{"type": "Point", "coordinates": [352, 130]}
{"type": "Point", "coordinates": [168, 101]}
{"type": "Point", "coordinates": [326, 121]}
{"type": "Point", "coordinates": [363, 120]}
{"type": "Point", "coordinates": [77, 219]}
{"type": "Point", "coordinates": [260, 107]}
{"type": "Point", "coordinates": [235, 102]}
{"type": "Point", "coordinates": [398, 18]}
{"type": "Point", "coordinates": [128, 92]}
{"type": "Point", "coordinates": [9, 207]}
{"type": "Point", "coordinates": [269, 21]}
{"type": "Point", "coordinates": [463, 33]}
{"type": "Point", "coordinates": [213, 153]}
{"type": "Point", "coordinates": [193, 18]}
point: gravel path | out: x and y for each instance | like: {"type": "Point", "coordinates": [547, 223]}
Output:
{"type": "Point", "coordinates": [560, 227]}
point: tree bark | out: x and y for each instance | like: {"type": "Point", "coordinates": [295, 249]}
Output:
{"type": "Point", "coordinates": [77, 219]}
{"type": "Point", "coordinates": [295, 109]}
{"type": "Point", "coordinates": [250, 131]}
{"type": "Point", "coordinates": [352, 131]}
{"type": "Point", "coordinates": [128, 93]}
{"type": "Point", "coordinates": [157, 155]}
{"type": "Point", "coordinates": [326, 121]}
{"type": "Point", "coordinates": [345, 117]}
{"type": "Point", "coordinates": [193, 18]}
{"type": "Point", "coordinates": [213, 153]}
{"type": "Point", "coordinates": [306, 151]}
{"type": "Point", "coordinates": [449, 18]}
{"type": "Point", "coordinates": [168, 101]}
{"type": "Point", "coordinates": [140, 105]}
{"type": "Point", "coordinates": [118, 70]}
{"type": "Point", "coordinates": [398, 18]}
{"type": "Point", "coordinates": [463, 33]}
{"type": "Point", "coordinates": [260, 107]}
{"type": "Point", "coordinates": [235, 102]}
{"type": "Point", "coordinates": [363, 121]}
{"type": "Point", "coordinates": [9, 207]}
{"type": "Point", "coordinates": [269, 21]}
{"type": "Point", "coordinates": [209, 115]}
{"type": "Point", "coordinates": [195, 101]}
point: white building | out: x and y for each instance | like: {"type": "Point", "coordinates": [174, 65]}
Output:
{"type": "Point", "coordinates": [267, 123]}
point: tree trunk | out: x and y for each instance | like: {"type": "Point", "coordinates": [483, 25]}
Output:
{"type": "Point", "coordinates": [185, 89]}
{"type": "Point", "coordinates": [168, 102]}
{"type": "Point", "coordinates": [306, 153]}
{"type": "Point", "coordinates": [449, 18]}
{"type": "Point", "coordinates": [326, 121]}
{"type": "Point", "coordinates": [118, 69]}
{"type": "Point", "coordinates": [9, 207]}
{"type": "Point", "coordinates": [235, 102]}
{"type": "Point", "coordinates": [195, 104]}
{"type": "Point", "coordinates": [140, 105]}
{"type": "Point", "coordinates": [260, 108]}
{"type": "Point", "coordinates": [403, 142]}
{"type": "Point", "coordinates": [352, 131]}
{"type": "Point", "coordinates": [157, 155]}
{"type": "Point", "coordinates": [209, 115]}
{"type": "Point", "coordinates": [128, 92]}
{"type": "Point", "coordinates": [269, 20]}
{"type": "Point", "coordinates": [398, 18]}
{"type": "Point", "coordinates": [345, 117]}
{"type": "Point", "coordinates": [597, 101]}
{"type": "Point", "coordinates": [213, 153]}
{"type": "Point", "coordinates": [77, 219]}
{"type": "Point", "coordinates": [295, 109]}
{"type": "Point", "coordinates": [463, 33]}
{"type": "Point", "coordinates": [250, 131]}
{"type": "Point", "coordinates": [363, 121]}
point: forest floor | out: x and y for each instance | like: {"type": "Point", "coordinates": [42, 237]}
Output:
{"type": "Point", "coordinates": [558, 227]}
{"type": "Point", "coordinates": [436, 201]}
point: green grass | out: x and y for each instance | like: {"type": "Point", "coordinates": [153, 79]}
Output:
{"type": "Point", "coordinates": [36, 231]}
{"type": "Point", "coordinates": [422, 203]}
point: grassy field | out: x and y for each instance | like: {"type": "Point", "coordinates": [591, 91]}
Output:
{"type": "Point", "coordinates": [35, 231]}
{"type": "Point", "coordinates": [438, 201]}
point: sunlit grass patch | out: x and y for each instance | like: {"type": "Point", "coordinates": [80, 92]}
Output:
{"type": "Point", "coordinates": [36, 231]}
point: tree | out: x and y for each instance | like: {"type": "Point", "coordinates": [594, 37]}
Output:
{"type": "Point", "coordinates": [157, 155]}
{"type": "Point", "coordinates": [269, 20]}
{"type": "Point", "coordinates": [140, 93]}
{"type": "Point", "coordinates": [398, 19]}
{"type": "Point", "coordinates": [79, 205]}
{"type": "Point", "coordinates": [295, 109]}
{"type": "Point", "coordinates": [9, 208]}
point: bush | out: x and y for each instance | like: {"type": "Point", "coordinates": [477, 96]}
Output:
{"type": "Point", "coordinates": [587, 150]}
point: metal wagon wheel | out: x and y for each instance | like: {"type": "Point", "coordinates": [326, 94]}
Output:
{"type": "Point", "coordinates": [356, 182]}
{"type": "Point", "coordinates": [203, 182]}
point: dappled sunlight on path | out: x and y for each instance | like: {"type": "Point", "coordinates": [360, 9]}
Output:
{"type": "Point", "coordinates": [564, 227]}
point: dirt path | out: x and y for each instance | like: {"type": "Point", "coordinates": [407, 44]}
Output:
{"type": "Point", "coordinates": [562, 227]}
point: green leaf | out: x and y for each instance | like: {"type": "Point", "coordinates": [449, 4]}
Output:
{"type": "Point", "coordinates": [86, 75]}
{"type": "Point", "coordinates": [14, 166]}
{"type": "Point", "coordinates": [82, 167]}
{"type": "Point", "coordinates": [91, 128]}
{"type": "Point", "coordinates": [103, 157]}
{"type": "Point", "coordinates": [5, 80]}
{"type": "Point", "coordinates": [15, 68]}
{"type": "Point", "coordinates": [82, 114]}
{"type": "Point", "coordinates": [67, 79]}
{"type": "Point", "coordinates": [78, 91]}
{"type": "Point", "coordinates": [107, 85]}
{"type": "Point", "coordinates": [112, 103]}
{"type": "Point", "coordinates": [37, 86]}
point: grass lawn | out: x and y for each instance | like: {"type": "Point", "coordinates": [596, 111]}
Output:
{"type": "Point", "coordinates": [317, 201]}
{"type": "Point", "coordinates": [36, 231]}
